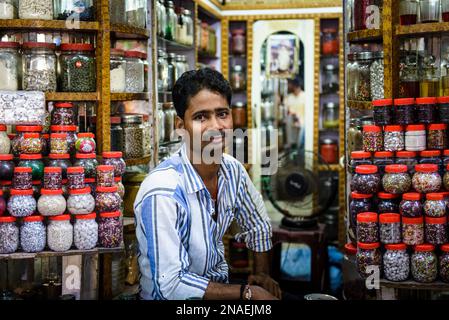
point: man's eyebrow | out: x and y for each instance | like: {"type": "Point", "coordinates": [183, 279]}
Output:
{"type": "Point", "coordinates": [207, 111]}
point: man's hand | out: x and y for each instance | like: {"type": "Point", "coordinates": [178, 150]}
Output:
{"type": "Point", "coordinates": [267, 283]}
{"type": "Point", "coordinates": [259, 293]}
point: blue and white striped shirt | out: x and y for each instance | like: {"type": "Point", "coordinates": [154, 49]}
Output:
{"type": "Point", "coordinates": [180, 244]}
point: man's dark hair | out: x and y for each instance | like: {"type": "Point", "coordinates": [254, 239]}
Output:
{"type": "Point", "coordinates": [192, 82]}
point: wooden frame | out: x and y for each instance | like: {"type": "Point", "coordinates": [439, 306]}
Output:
{"type": "Point", "coordinates": [251, 5]}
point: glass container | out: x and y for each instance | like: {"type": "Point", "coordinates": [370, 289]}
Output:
{"type": "Point", "coordinates": [429, 11]}
{"type": "Point", "coordinates": [136, 13]}
{"type": "Point", "coordinates": [134, 72]}
{"type": "Point", "coordinates": [408, 12]}
{"type": "Point", "coordinates": [33, 235]}
{"type": "Point", "coordinates": [38, 66]}
{"type": "Point", "coordinates": [74, 10]}
{"type": "Point", "coordinates": [9, 64]}
{"type": "Point", "coordinates": [132, 136]}
{"type": "Point", "coordinates": [85, 231]}
{"type": "Point", "coordinates": [34, 9]}
{"type": "Point", "coordinates": [424, 263]}
{"type": "Point", "coordinates": [117, 69]}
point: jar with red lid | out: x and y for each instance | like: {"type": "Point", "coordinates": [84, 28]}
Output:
{"type": "Point", "coordinates": [404, 111]}
{"type": "Point", "coordinates": [443, 109]}
{"type": "Point", "coordinates": [411, 205]}
{"type": "Point", "coordinates": [424, 263]}
{"type": "Point", "coordinates": [367, 227]}
{"type": "Point", "coordinates": [53, 178]}
{"type": "Point", "coordinates": [105, 176]}
{"type": "Point", "coordinates": [77, 61]}
{"type": "Point", "coordinates": [33, 234]}
{"type": "Point", "coordinates": [33, 161]}
{"type": "Point", "coordinates": [369, 258]}
{"type": "Point", "coordinates": [413, 230]}
{"type": "Point", "coordinates": [426, 179]}
{"type": "Point", "coordinates": [80, 201]}
{"type": "Point", "coordinates": [394, 139]}
{"type": "Point", "coordinates": [426, 110]}
{"type": "Point", "coordinates": [367, 14]}
{"type": "Point", "coordinates": [366, 179]}
{"type": "Point", "coordinates": [359, 158]}
{"type": "Point", "coordinates": [372, 138]}
{"type": "Point", "coordinates": [31, 143]}
{"type": "Point", "coordinates": [39, 66]}
{"type": "Point", "coordinates": [436, 230]}
{"type": "Point", "coordinates": [85, 143]}
{"type": "Point", "coordinates": [432, 157]}
{"type": "Point", "coordinates": [435, 205]}
{"type": "Point", "coordinates": [21, 203]}
{"type": "Point", "coordinates": [88, 162]}
{"type": "Point", "coordinates": [396, 262]}
{"type": "Point", "coordinates": [382, 159]}
{"type": "Point", "coordinates": [383, 112]}
{"type": "Point", "coordinates": [6, 167]}
{"type": "Point", "coordinates": [107, 199]}
{"type": "Point", "coordinates": [59, 233]}
{"type": "Point", "coordinates": [329, 151]}
{"type": "Point", "coordinates": [390, 228]}
{"type": "Point", "coordinates": [9, 235]}
{"type": "Point", "coordinates": [60, 160]}
{"type": "Point", "coordinates": [63, 114]}
{"type": "Point", "coordinates": [85, 231]}
{"type": "Point", "coordinates": [238, 43]}
{"type": "Point", "coordinates": [2, 203]}
{"type": "Point", "coordinates": [58, 143]}
{"type": "Point", "coordinates": [408, 158]}
{"type": "Point", "coordinates": [354, 287]}
{"type": "Point", "coordinates": [415, 137]}
{"type": "Point", "coordinates": [358, 203]}
{"type": "Point", "coordinates": [329, 44]}
{"type": "Point", "coordinates": [388, 202]}
{"type": "Point", "coordinates": [444, 263]}
{"type": "Point", "coordinates": [110, 229]}
{"type": "Point", "coordinates": [120, 187]}
{"type": "Point", "coordinates": [75, 177]}
{"type": "Point", "coordinates": [71, 135]}
{"type": "Point", "coordinates": [437, 136]}
{"type": "Point", "coordinates": [51, 202]}
{"type": "Point", "coordinates": [115, 159]}
{"type": "Point", "coordinates": [22, 178]}
{"type": "Point", "coordinates": [396, 179]}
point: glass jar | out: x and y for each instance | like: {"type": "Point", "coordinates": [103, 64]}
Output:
{"type": "Point", "coordinates": [132, 136]}
{"type": "Point", "coordinates": [363, 76]}
{"type": "Point", "coordinates": [6, 167]}
{"type": "Point", "coordinates": [21, 203]}
{"type": "Point", "coordinates": [354, 136]}
{"type": "Point", "coordinates": [88, 162]}
{"type": "Point", "coordinates": [180, 66]}
{"type": "Point", "coordinates": [383, 112]}
{"type": "Point", "coordinates": [117, 69]}
{"type": "Point", "coordinates": [329, 41]}
{"type": "Point", "coordinates": [329, 151]}
{"type": "Point", "coordinates": [238, 82]}
{"type": "Point", "coordinates": [161, 122]}
{"type": "Point", "coordinates": [33, 236]}
{"type": "Point", "coordinates": [161, 18]}
{"type": "Point", "coordinates": [58, 143]}
{"type": "Point", "coordinates": [189, 27]}
{"type": "Point", "coordinates": [51, 202]}
{"type": "Point", "coordinates": [171, 71]}
{"type": "Point", "coordinates": [437, 136]}
{"type": "Point", "coordinates": [2, 203]}
{"type": "Point", "coordinates": [426, 179]}
{"type": "Point", "coordinates": [85, 143]}
{"type": "Point", "coordinates": [382, 159]}
{"type": "Point", "coordinates": [22, 178]}
{"type": "Point", "coordinates": [410, 205]}
{"type": "Point", "coordinates": [171, 21]}
{"type": "Point", "coordinates": [429, 10]}
{"type": "Point", "coordinates": [409, 77]}
{"type": "Point", "coordinates": [351, 74]}
{"type": "Point", "coordinates": [9, 234]}
{"type": "Point", "coordinates": [425, 110]}
{"type": "Point", "coordinates": [80, 201]}
{"type": "Point", "coordinates": [424, 264]}
{"type": "Point", "coordinates": [9, 62]}
{"type": "Point", "coordinates": [134, 72]}
{"type": "Point", "coordinates": [408, 12]}
{"type": "Point", "coordinates": [396, 262]}
{"type": "Point", "coordinates": [107, 199]}
{"type": "Point", "coordinates": [377, 76]}
{"type": "Point", "coordinates": [367, 227]}
{"type": "Point", "coordinates": [435, 205]}
{"type": "Point", "coordinates": [390, 228]}
{"type": "Point", "coordinates": [63, 114]}
{"type": "Point", "coordinates": [162, 71]}
{"type": "Point", "coordinates": [368, 255]}
{"type": "Point", "coordinates": [329, 82]}
{"type": "Point", "coordinates": [8, 9]}
{"type": "Point", "coordinates": [404, 111]}
{"type": "Point", "coordinates": [78, 65]}
{"type": "Point", "coordinates": [239, 115]}
{"type": "Point", "coordinates": [71, 135]}
{"type": "Point", "coordinates": [443, 109]}
{"type": "Point", "coordinates": [429, 85]}
{"type": "Point", "coordinates": [408, 158]}
{"type": "Point", "coordinates": [415, 137]}
{"type": "Point", "coordinates": [110, 230]}
{"type": "Point", "coordinates": [366, 179]}
{"type": "Point", "coordinates": [169, 121]}
{"type": "Point", "coordinates": [60, 233]}
{"type": "Point", "coordinates": [436, 230]}
{"type": "Point", "coordinates": [31, 143]}
{"type": "Point", "coordinates": [136, 13]}
{"type": "Point", "coordinates": [120, 187]}
{"type": "Point", "coordinates": [52, 178]}
{"type": "Point", "coordinates": [372, 138]}
{"type": "Point", "coordinates": [85, 231]}
{"type": "Point", "coordinates": [5, 142]}
{"type": "Point", "coordinates": [413, 231]}
{"type": "Point", "coordinates": [75, 178]}
{"type": "Point", "coordinates": [331, 118]}
{"type": "Point", "coordinates": [394, 139]}
{"type": "Point", "coordinates": [60, 160]}
{"type": "Point", "coordinates": [105, 176]}
{"type": "Point", "coordinates": [74, 9]}
{"type": "Point", "coordinates": [115, 159]}
{"type": "Point", "coordinates": [238, 42]}
{"type": "Point", "coordinates": [396, 179]}
{"type": "Point", "coordinates": [444, 263]}
{"type": "Point", "coordinates": [32, 9]}
{"type": "Point", "coordinates": [38, 66]}
{"type": "Point", "coordinates": [116, 11]}
{"type": "Point", "coordinates": [116, 134]}
{"type": "Point", "coordinates": [387, 202]}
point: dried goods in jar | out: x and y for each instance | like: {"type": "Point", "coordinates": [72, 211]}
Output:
{"type": "Point", "coordinates": [424, 264]}
{"type": "Point", "coordinates": [367, 227]}
{"type": "Point", "coordinates": [9, 235]}
{"type": "Point", "coordinates": [80, 201]}
{"type": "Point", "coordinates": [435, 205]}
{"type": "Point", "coordinates": [107, 199]}
{"type": "Point", "coordinates": [436, 230]}
{"type": "Point", "coordinates": [33, 234]}
{"type": "Point", "coordinates": [426, 178]}
{"type": "Point", "coordinates": [368, 257]}
{"type": "Point", "coordinates": [390, 228]}
{"type": "Point", "coordinates": [366, 180]}
{"type": "Point", "coordinates": [413, 231]}
{"type": "Point", "coordinates": [110, 229]}
{"type": "Point", "coordinates": [51, 203]}
{"type": "Point", "coordinates": [396, 262]}
{"type": "Point", "coordinates": [85, 231]}
{"type": "Point", "coordinates": [60, 233]}
{"type": "Point", "coordinates": [396, 179]}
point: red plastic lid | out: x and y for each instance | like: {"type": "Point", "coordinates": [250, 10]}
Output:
{"type": "Point", "coordinates": [38, 45]}
{"type": "Point", "coordinates": [132, 54]}
{"type": "Point", "coordinates": [393, 128]}
{"type": "Point", "coordinates": [33, 218]}
{"type": "Point", "coordinates": [23, 169]}
{"type": "Point", "coordinates": [17, 192]}
{"type": "Point", "coordinates": [443, 100]}
{"type": "Point", "coordinates": [86, 155]}
{"type": "Point", "coordinates": [105, 168]}
{"type": "Point", "coordinates": [63, 105]}
{"type": "Point", "coordinates": [446, 152]}
{"type": "Point", "coordinates": [367, 217]}
{"type": "Point", "coordinates": [371, 128]}
{"type": "Point", "coordinates": [430, 153]}
{"type": "Point", "coordinates": [31, 135]}
{"type": "Point", "coordinates": [76, 46]}
{"type": "Point", "coordinates": [404, 101]}
{"type": "Point", "coordinates": [382, 102]}
{"type": "Point", "coordinates": [89, 216]}
{"type": "Point", "coordinates": [426, 167]}
{"type": "Point", "coordinates": [1, 192]}
{"type": "Point", "coordinates": [36, 182]}
{"type": "Point", "coordinates": [53, 169]}
{"type": "Point", "coordinates": [29, 128]}
{"type": "Point", "coordinates": [356, 195]}
{"type": "Point", "coordinates": [80, 191]}
{"type": "Point", "coordinates": [5, 183]}
{"type": "Point", "coordinates": [389, 217]}
{"type": "Point", "coordinates": [117, 179]}
{"type": "Point", "coordinates": [385, 195]}
{"type": "Point", "coordinates": [2, 127]}
{"type": "Point", "coordinates": [427, 100]}
{"type": "Point", "coordinates": [396, 247]}
{"type": "Point", "coordinates": [9, 44]}
{"type": "Point", "coordinates": [115, 154]}
{"type": "Point", "coordinates": [59, 156]}
{"type": "Point", "coordinates": [110, 214]}
{"type": "Point", "coordinates": [350, 249]}
{"type": "Point", "coordinates": [107, 189]}
{"type": "Point", "coordinates": [366, 169]}
{"type": "Point", "coordinates": [406, 154]}
{"type": "Point", "coordinates": [51, 192]}
{"type": "Point", "coordinates": [46, 136]}
{"type": "Point", "coordinates": [117, 52]}
{"type": "Point", "coordinates": [116, 120]}
{"type": "Point", "coordinates": [143, 55]}
{"type": "Point", "coordinates": [86, 135]}
{"type": "Point", "coordinates": [89, 180]}
{"type": "Point", "coordinates": [438, 220]}
{"type": "Point", "coordinates": [396, 168]}
{"type": "Point", "coordinates": [434, 196]}
{"type": "Point", "coordinates": [383, 154]}
{"type": "Point", "coordinates": [62, 217]}
{"type": "Point", "coordinates": [62, 128]}
{"type": "Point", "coordinates": [373, 245]}
{"type": "Point", "coordinates": [75, 170]}
{"type": "Point", "coordinates": [424, 247]}
{"type": "Point", "coordinates": [445, 247]}
{"type": "Point", "coordinates": [6, 157]}
{"type": "Point", "coordinates": [30, 156]}
{"type": "Point", "coordinates": [417, 220]}
{"type": "Point", "coordinates": [58, 136]}
{"type": "Point", "coordinates": [7, 219]}
{"type": "Point", "coordinates": [415, 127]}
{"type": "Point", "coordinates": [438, 126]}
{"type": "Point", "coordinates": [411, 196]}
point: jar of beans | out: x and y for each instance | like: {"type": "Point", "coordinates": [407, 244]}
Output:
{"type": "Point", "coordinates": [436, 230]}
{"type": "Point", "coordinates": [359, 158]}
{"type": "Point", "coordinates": [115, 159]}
{"type": "Point", "coordinates": [394, 139]}
{"type": "Point", "coordinates": [31, 143]}
{"type": "Point", "coordinates": [444, 263]}
{"type": "Point", "coordinates": [424, 263]}
{"type": "Point", "coordinates": [396, 179]}
{"type": "Point", "coordinates": [382, 159]}
{"type": "Point", "coordinates": [372, 138]}
{"type": "Point", "coordinates": [33, 161]}
{"type": "Point", "coordinates": [405, 111]}
{"type": "Point", "coordinates": [413, 230]}
{"type": "Point", "coordinates": [359, 203]}
{"type": "Point", "coordinates": [80, 201]}
{"type": "Point", "coordinates": [16, 142]}
{"type": "Point", "coordinates": [85, 143]}
{"type": "Point", "coordinates": [105, 176]}
{"type": "Point", "coordinates": [71, 135]}
{"type": "Point", "coordinates": [396, 262]}
{"type": "Point", "coordinates": [426, 110]}
{"type": "Point", "coordinates": [120, 186]}
{"type": "Point", "coordinates": [63, 114]}
{"type": "Point", "coordinates": [367, 227]}
{"type": "Point", "coordinates": [387, 202]}
{"type": "Point", "coordinates": [53, 178]}
{"type": "Point", "coordinates": [426, 179]}
{"type": "Point", "coordinates": [85, 231]}
{"type": "Point", "coordinates": [443, 109]}
{"type": "Point", "coordinates": [110, 229]}
{"type": "Point", "coordinates": [88, 162]}
{"type": "Point", "coordinates": [366, 179]}
{"type": "Point", "coordinates": [390, 228]}
{"type": "Point", "coordinates": [33, 235]}
{"type": "Point", "coordinates": [6, 167]}
{"type": "Point", "coordinates": [383, 112]}
{"type": "Point", "coordinates": [60, 233]}
{"type": "Point", "coordinates": [77, 62]}
{"type": "Point", "coordinates": [22, 179]}
{"type": "Point", "coordinates": [437, 136]}
{"type": "Point", "coordinates": [75, 178]}
{"type": "Point", "coordinates": [435, 205]}
{"type": "Point", "coordinates": [58, 143]}
{"type": "Point", "coordinates": [368, 258]}
{"type": "Point", "coordinates": [107, 199]}
{"type": "Point", "coordinates": [60, 160]}
{"type": "Point", "coordinates": [9, 235]}
{"type": "Point", "coordinates": [415, 137]}
{"type": "Point", "coordinates": [408, 158]}
{"type": "Point", "coordinates": [410, 205]}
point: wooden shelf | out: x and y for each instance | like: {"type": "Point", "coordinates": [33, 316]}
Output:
{"type": "Point", "coordinates": [135, 162]}
{"type": "Point", "coordinates": [360, 105]}
{"type": "Point", "coordinates": [129, 32]}
{"type": "Point", "coordinates": [173, 45]}
{"type": "Point", "coordinates": [410, 284]}
{"type": "Point", "coordinates": [71, 96]}
{"type": "Point", "coordinates": [129, 96]}
{"type": "Point", "coordinates": [422, 28]}
{"type": "Point", "coordinates": [48, 25]}
{"type": "Point", "coordinates": [331, 167]}
{"type": "Point", "coordinates": [372, 35]}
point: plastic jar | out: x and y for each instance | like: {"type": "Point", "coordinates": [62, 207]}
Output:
{"type": "Point", "coordinates": [115, 159]}
{"type": "Point", "coordinates": [80, 201]}
{"type": "Point", "coordinates": [408, 158]}
{"type": "Point", "coordinates": [63, 114]}
{"type": "Point", "coordinates": [432, 157]}
{"type": "Point", "coordinates": [436, 230]}
{"type": "Point", "coordinates": [394, 139]}
{"type": "Point", "coordinates": [387, 202]}
{"type": "Point", "coordinates": [71, 135]}
{"type": "Point", "coordinates": [9, 64]}
{"type": "Point", "coordinates": [75, 178]}
{"type": "Point", "coordinates": [107, 199]}
{"type": "Point", "coordinates": [366, 180]}
{"type": "Point", "coordinates": [77, 61]}
{"type": "Point", "coordinates": [383, 112]}
{"type": "Point", "coordinates": [2, 203]}
{"type": "Point", "coordinates": [405, 111]}
{"type": "Point", "coordinates": [88, 162]}
{"type": "Point", "coordinates": [9, 235]}
{"type": "Point", "coordinates": [34, 162]}
{"type": "Point", "coordinates": [367, 227]}
{"type": "Point", "coordinates": [424, 263]}
{"type": "Point", "coordinates": [85, 231]}
{"type": "Point", "coordinates": [425, 110]}
{"type": "Point", "coordinates": [85, 143]}
{"type": "Point", "coordinates": [443, 109]}
{"type": "Point", "coordinates": [426, 179]}
{"type": "Point", "coordinates": [105, 176]}
{"type": "Point", "coordinates": [134, 72]}
{"type": "Point", "coordinates": [390, 228]}
{"type": "Point", "coordinates": [368, 255]}
{"type": "Point", "coordinates": [110, 229]}
{"type": "Point", "coordinates": [413, 230]}
{"type": "Point", "coordinates": [33, 234]}
{"type": "Point", "coordinates": [51, 202]}
{"type": "Point", "coordinates": [396, 262]}
{"type": "Point", "coordinates": [435, 205]}
{"type": "Point", "coordinates": [359, 158]}
{"type": "Point", "coordinates": [372, 138]}
{"type": "Point", "coordinates": [382, 159]}
{"type": "Point", "coordinates": [60, 160]}
{"type": "Point", "coordinates": [444, 263]}
{"type": "Point", "coordinates": [52, 178]}
{"type": "Point", "coordinates": [437, 136]}
{"type": "Point", "coordinates": [31, 143]}
{"type": "Point", "coordinates": [117, 67]}
{"type": "Point", "coordinates": [396, 179]}
{"type": "Point", "coordinates": [359, 203]}
{"type": "Point", "coordinates": [415, 137]}
{"type": "Point", "coordinates": [16, 142]}
{"type": "Point", "coordinates": [32, 9]}
{"type": "Point", "coordinates": [58, 143]}
{"type": "Point", "coordinates": [120, 186]}
{"type": "Point", "coordinates": [6, 167]}
{"type": "Point", "coordinates": [39, 65]}
{"type": "Point", "coordinates": [22, 179]}
{"type": "Point", "coordinates": [410, 205]}
{"type": "Point", "coordinates": [83, 10]}
{"type": "Point", "coordinates": [60, 233]}
{"type": "Point", "coordinates": [5, 143]}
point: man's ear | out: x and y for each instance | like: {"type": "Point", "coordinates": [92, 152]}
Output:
{"type": "Point", "coordinates": [179, 123]}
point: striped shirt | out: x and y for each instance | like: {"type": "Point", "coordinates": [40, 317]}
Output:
{"type": "Point", "coordinates": [180, 244]}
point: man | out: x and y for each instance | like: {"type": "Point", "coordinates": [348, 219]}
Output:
{"type": "Point", "coordinates": [185, 206]}
{"type": "Point", "coordinates": [296, 103]}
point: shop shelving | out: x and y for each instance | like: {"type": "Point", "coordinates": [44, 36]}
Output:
{"type": "Point", "coordinates": [422, 28]}
{"type": "Point", "coordinates": [49, 25]}
{"type": "Point", "coordinates": [331, 167]}
{"type": "Point", "coordinates": [359, 105]}
{"type": "Point", "coordinates": [71, 96]}
{"type": "Point", "coordinates": [129, 96]}
{"type": "Point", "coordinates": [42, 254]}
{"type": "Point", "coordinates": [138, 161]}
{"type": "Point", "coordinates": [372, 35]}
{"type": "Point", "coordinates": [129, 32]}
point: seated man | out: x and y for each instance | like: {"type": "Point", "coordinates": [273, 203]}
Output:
{"type": "Point", "coordinates": [185, 205]}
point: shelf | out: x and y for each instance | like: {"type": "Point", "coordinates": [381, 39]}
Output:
{"type": "Point", "coordinates": [129, 96]}
{"type": "Point", "coordinates": [71, 96]}
{"type": "Point", "coordinates": [331, 167]}
{"type": "Point", "coordinates": [173, 45]}
{"type": "Point", "coordinates": [136, 162]}
{"type": "Point", "coordinates": [360, 105]}
{"type": "Point", "coordinates": [48, 25]}
{"type": "Point", "coordinates": [169, 143]}
{"type": "Point", "coordinates": [437, 285]}
{"type": "Point", "coordinates": [421, 28]}
{"type": "Point", "coordinates": [372, 35]}
{"type": "Point", "coordinates": [129, 32]}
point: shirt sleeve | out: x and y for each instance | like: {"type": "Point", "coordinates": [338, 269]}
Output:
{"type": "Point", "coordinates": [252, 216]}
{"type": "Point", "coordinates": [162, 222]}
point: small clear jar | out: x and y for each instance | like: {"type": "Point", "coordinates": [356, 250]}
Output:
{"type": "Point", "coordinates": [118, 69]}
{"type": "Point", "coordinates": [71, 135]}
{"type": "Point", "coordinates": [443, 109]}
{"type": "Point", "coordinates": [58, 143]}
{"type": "Point", "coordinates": [426, 179]}
{"type": "Point", "coordinates": [372, 138]}
{"type": "Point", "coordinates": [9, 63]}
{"type": "Point", "coordinates": [60, 233]}
{"type": "Point", "coordinates": [32, 9]}
{"type": "Point", "coordinates": [169, 121]}
{"type": "Point", "coordinates": [359, 158]}
{"type": "Point", "coordinates": [415, 137]}
{"type": "Point", "coordinates": [9, 235]}
{"type": "Point", "coordinates": [134, 72]}
{"type": "Point", "coordinates": [88, 162]}
{"type": "Point", "coordinates": [387, 202]}
{"type": "Point", "coordinates": [135, 13]}
{"type": "Point", "coordinates": [105, 176]}
{"type": "Point", "coordinates": [60, 160]}
{"type": "Point", "coordinates": [411, 206]}
{"type": "Point", "coordinates": [382, 159]}
{"type": "Point", "coordinates": [367, 227]}
{"type": "Point", "coordinates": [426, 110]}
{"type": "Point", "coordinates": [424, 263]}
{"type": "Point", "coordinates": [161, 18]}
{"type": "Point", "coordinates": [38, 66]}
{"type": "Point", "coordinates": [80, 201]}
{"type": "Point", "coordinates": [396, 262]}
{"type": "Point", "coordinates": [436, 230]}
{"type": "Point", "coordinates": [110, 230]}
{"type": "Point", "coordinates": [437, 136]}
{"type": "Point", "coordinates": [363, 76]}
{"type": "Point", "coordinates": [33, 235]}
{"type": "Point", "coordinates": [107, 199]}
{"type": "Point", "coordinates": [22, 178]}
{"type": "Point", "coordinates": [51, 202]}
{"type": "Point", "coordinates": [85, 143]}
{"type": "Point", "coordinates": [8, 9]}
{"type": "Point", "coordinates": [444, 263]}
{"type": "Point", "coordinates": [77, 63]}
{"type": "Point", "coordinates": [74, 9]}
{"type": "Point", "coordinates": [117, 11]}
{"type": "Point", "coordinates": [408, 12]}
{"type": "Point", "coordinates": [33, 161]}
{"type": "Point", "coordinates": [394, 139]}
{"type": "Point", "coordinates": [413, 231]}
{"type": "Point", "coordinates": [359, 203]}
{"type": "Point", "coordinates": [162, 71]}
{"type": "Point", "coordinates": [408, 158]}
{"type": "Point", "coordinates": [75, 178]}
{"type": "Point", "coordinates": [31, 143]}
{"type": "Point", "coordinates": [53, 178]}
{"type": "Point", "coordinates": [390, 228]}
{"type": "Point", "coordinates": [132, 136]}
{"type": "Point", "coordinates": [6, 167]}
{"type": "Point", "coordinates": [63, 114]}
{"type": "Point", "coordinates": [16, 141]}
{"type": "Point", "coordinates": [383, 112]}
{"type": "Point", "coordinates": [435, 205]}
{"type": "Point", "coordinates": [85, 231]}
{"type": "Point", "coordinates": [238, 81]}
{"type": "Point", "coordinates": [115, 159]}
{"type": "Point", "coordinates": [366, 180]}
{"type": "Point", "coordinates": [396, 179]}
{"type": "Point", "coordinates": [404, 111]}
{"type": "Point", "coordinates": [368, 257]}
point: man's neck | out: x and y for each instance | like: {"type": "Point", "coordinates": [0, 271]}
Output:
{"type": "Point", "coordinates": [209, 175]}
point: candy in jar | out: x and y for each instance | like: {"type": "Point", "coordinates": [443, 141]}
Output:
{"type": "Point", "coordinates": [396, 179]}
{"type": "Point", "coordinates": [33, 234]}
{"type": "Point", "coordinates": [368, 258]}
{"type": "Point", "coordinates": [366, 179]}
{"type": "Point", "coordinates": [105, 176]}
{"type": "Point", "coordinates": [435, 205]}
{"type": "Point", "coordinates": [396, 262]}
{"type": "Point", "coordinates": [367, 227]}
{"type": "Point", "coordinates": [436, 230]}
{"type": "Point", "coordinates": [80, 201]}
{"type": "Point", "coordinates": [85, 231]}
{"type": "Point", "coordinates": [359, 203]}
{"type": "Point", "coordinates": [60, 233]}
{"type": "Point", "coordinates": [110, 229]}
{"type": "Point", "coordinates": [426, 179]}
{"type": "Point", "coordinates": [85, 143]}
{"type": "Point", "coordinates": [444, 263]}
{"type": "Point", "coordinates": [9, 235]}
{"type": "Point", "coordinates": [424, 264]}
{"type": "Point", "coordinates": [107, 199]}
{"type": "Point", "coordinates": [372, 138]}
{"type": "Point", "coordinates": [75, 177]}
{"type": "Point", "coordinates": [411, 206]}
{"type": "Point", "coordinates": [51, 202]}
{"type": "Point", "coordinates": [22, 178]}
{"type": "Point", "coordinates": [390, 228]}
{"type": "Point", "coordinates": [58, 143]}
{"type": "Point", "coordinates": [52, 178]}
{"type": "Point", "coordinates": [413, 231]}
{"type": "Point", "coordinates": [115, 159]}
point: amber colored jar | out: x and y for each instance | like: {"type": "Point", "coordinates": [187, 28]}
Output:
{"type": "Point", "coordinates": [329, 45]}
{"type": "Point", "coordinates": [239, 115]}
{"type": "Point", "coordinates": [329, 151]}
